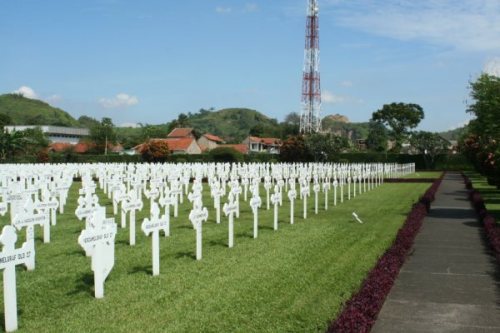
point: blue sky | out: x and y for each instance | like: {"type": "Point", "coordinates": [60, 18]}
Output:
{"type": "Point", "coordinates": [147, 61]}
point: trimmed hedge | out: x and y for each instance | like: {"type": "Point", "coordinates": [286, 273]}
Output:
{"type": "Point", "coordinates": [490, 226]}
{"type": "Point", "coordinates": [443, 162]}
{"type": "Point", "coordinates": [360, 312]}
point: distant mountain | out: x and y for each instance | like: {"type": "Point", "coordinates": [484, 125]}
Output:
{"type": "Point", "coordinates": [454, 134]}
{"type": "Point", "coordinates": [233, 124]}
{"type": "Point", "coordinates": [25, 111]}
{"type": "Point", "coordinates": [341, 126]}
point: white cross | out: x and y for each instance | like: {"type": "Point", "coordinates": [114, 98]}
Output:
{"type": "Point", "coordinates": [98, 241]}
{"type": "Point", "coordinates": [153, 226]}
{"type": "Point", "coordinates": [230, 209]}
{"type": "Point", "coordinates": [292, 194]}
{"type": "Point", "coordinates": [197, 216]}
{"type": "Point", "coordinates": [131, 204]}
{"type": "Point", "coordinates": [255, 203]}
{"type": "Point", "coordinates": [276, 199]}
{"type": "Point", "coordinates": [9, 258]}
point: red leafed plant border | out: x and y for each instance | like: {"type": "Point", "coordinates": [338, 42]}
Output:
{"type": "Point", "coordinates": [488, 221]}
{"type": "Point", "coordinates": [360, 312]}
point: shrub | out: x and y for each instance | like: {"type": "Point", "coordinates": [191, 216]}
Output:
{"type": "Point", "coordinates": [154, 151]}
{"type": "Point", "coordinates": [225, 154]}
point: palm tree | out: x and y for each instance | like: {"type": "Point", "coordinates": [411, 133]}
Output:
{"type": "Point", "coordinates": [11, 143]}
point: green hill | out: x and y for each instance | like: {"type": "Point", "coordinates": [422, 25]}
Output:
{"type": "Point", "coordinates": [352, 131]}
{"type": "Point", "coordinates": [25, 111]}
{"type": "Point", "coordinates": [234, 124]}
{"type": "Point", "coordinates": [454, 134]}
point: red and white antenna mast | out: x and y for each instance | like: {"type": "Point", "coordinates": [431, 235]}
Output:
{"type": "Point", "coordinates": [310, 121]}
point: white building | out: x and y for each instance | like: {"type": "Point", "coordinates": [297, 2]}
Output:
{"type": "Point", "coordinates": [55, 133]}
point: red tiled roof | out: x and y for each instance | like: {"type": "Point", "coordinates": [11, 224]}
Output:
{"type": "Point", "coordinates": [212, 137]}
{"type": "Point", "coordinates": [59, 147]}
{"type": "Point", "coordinates": [270, 141]}
{"type": "Point", "coordinates": [179, 144]}
{"type": "Point", "coordinates": [81, 148]}
{"type": "Point", "coordinates": [242, 148]}
{"type": "Point", "coordinates": [254, 139]}
{"type": "Point", "coordinates": [174, 144]}
{"type": "Point", "coordinates": [180, 133]}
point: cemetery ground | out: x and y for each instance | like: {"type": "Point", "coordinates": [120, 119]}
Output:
{"type": "Point", "coordinates": [294, 279]}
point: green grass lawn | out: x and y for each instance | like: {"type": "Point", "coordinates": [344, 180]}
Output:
{"type": "Point", "coordinates": [490, 194]}
{"type": "Point", "coordinates": [424, 174]}
{"type": "Point", "coordinates": [291, 280]}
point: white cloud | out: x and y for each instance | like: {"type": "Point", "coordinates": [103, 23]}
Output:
{"type": "Point", "coordinates": [251, 7]}
{"type": "Point", "coordinates": [328, 97]}
{"type": "Point", "coordinates": [53, 99]}
{"type": "Point", "coordinates": [470, 25]}
{"type": "Point", "coordinates": [133, 125]}
{"type": "Point", "coordinates": [492, 67]}
{"type": "Point", "coordinates": [223, 10]}
{"type": "Point", "coordinates": [119, 101]}
{"type": "Point", "coordinates": [460, 125]}
{"type": "Point", "coordinates": [26, 92]}
{"type": "Point", "coordinates": [346, 84]}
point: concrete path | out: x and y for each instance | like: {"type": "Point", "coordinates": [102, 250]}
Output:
{"type": "Point", "coordinates": [451, 281]}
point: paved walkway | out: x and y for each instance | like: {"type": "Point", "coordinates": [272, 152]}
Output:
{"type": "Point", "coordinates": [451, 281]}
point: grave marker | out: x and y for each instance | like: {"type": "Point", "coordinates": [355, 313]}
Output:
{"type": "Point", "coordinates": [9, 258]}
{"type": "Point", "coordinates": [98, 241]}
{"type": "Point", "coordinates": [153, 226]}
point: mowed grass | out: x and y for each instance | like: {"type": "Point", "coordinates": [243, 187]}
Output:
{"type": "Point", "coordinates": [291, 280]}
{"type": "Point", "coordinates": [490, 194]}
{"type": "Point", "coordinates": [424, 174]}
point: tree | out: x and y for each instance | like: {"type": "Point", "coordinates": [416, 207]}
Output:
{"type": "Point", "coordinates": [103, 134]}
{"type": "Point", "coordinates": [430, 145]}
{"type": "Point", "coordinates": [486, 107]}
{"type": "Point", "coordinates": [483, 143]}
{"type": "Point", "coordinates": [377, 137]}
{"type": "Point", "coordinates": [11, 143]}
{"type": "Point", "coordinates": [400, 118]}
{"type": "Point", "coordinates": [5, 120]}
{"type": "Point", "coordinates": [88, 122]}
{"type": "Point", "coordinates": [323, 147]}
{"type": "Point", "coordinates": [294, 149]}
{"type": "Point", "coordinates": [155, 151]}
{"type": "Point", "coordinates": [34, 140]}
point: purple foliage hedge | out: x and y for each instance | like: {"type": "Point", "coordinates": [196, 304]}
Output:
{"type": "Point", "coordinates": [360, 312]}
{"type": "Point", "coordinates": [490, 227]}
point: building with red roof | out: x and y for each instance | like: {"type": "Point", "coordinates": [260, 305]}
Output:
{"type": "Point", "coordinates": [181, 132]}
{"type": "Point", "coordinates": [186, 145]}
{"type": "Point", "coordinates": [209, 141]}
{"type": "Point", "coordinates": [263, 145]}
{"type": "Point", "coordinates": [240, 147]}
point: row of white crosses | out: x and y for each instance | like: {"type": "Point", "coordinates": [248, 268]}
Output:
{"type": "Point", "coordinates": [169, 189]}
{"type": "Point", "coordinates": [32, 195]}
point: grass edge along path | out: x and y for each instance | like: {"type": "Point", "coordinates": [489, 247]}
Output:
{"type": "Point", "coordinates": [491, 228]}
{"type": "Point", "coordinates": [360, 312]}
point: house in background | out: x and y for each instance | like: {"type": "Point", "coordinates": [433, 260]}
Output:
{"type": "Point", "coordinates": [262, 145]}
{"type": "Point", "coordinates": [182, 132]}
{"type": "Point", "coordinates": [55, 134]}
{"type": "Point", "coordinates": [209, 141]}
{"type": "Point", "coordinates": [179, 141]}
{"type": "Point", "coordinates": [240, 147]}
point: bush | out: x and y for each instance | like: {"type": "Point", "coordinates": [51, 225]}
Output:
{"type": "Point", "coordinates": [155, 151]}
{"type": "Point", "coordinates": [225, 154]}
